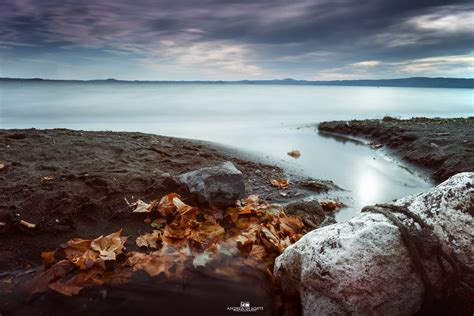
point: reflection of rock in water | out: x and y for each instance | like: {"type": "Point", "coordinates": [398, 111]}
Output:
{"type": "Point", "coordinates": [341, 138]}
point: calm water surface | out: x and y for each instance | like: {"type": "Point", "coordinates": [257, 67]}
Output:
{"type": "Point", "coordinates": [267, 120]}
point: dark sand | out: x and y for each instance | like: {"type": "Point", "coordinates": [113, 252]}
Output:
{"type": "Point", "coordinates": [92, 173]}
{"type": "Point", "coordinates": [443, 147]}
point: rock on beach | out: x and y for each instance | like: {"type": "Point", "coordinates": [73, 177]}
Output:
{"type": "Point", "coordinates": [220, 185]}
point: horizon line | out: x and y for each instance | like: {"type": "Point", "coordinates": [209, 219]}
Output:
{"type": "Point", "coordinates": [238, 80]}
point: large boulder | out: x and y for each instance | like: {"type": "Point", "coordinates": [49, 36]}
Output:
{"type": "Point", "coordinates": [363, 267]}
{"type": "Point", "coordinates": [219, 185]}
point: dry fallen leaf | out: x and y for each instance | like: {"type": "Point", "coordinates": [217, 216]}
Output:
{"type": "Point", "coordinates": [258, 252]}
{"type": "Point", "coordinates": [27, 224]}
{"type": "Point", "coordinates": [295, 153]}
{"type": "Point", "coordinates": [88, 259]}
{"type": "Point", "coordinates": [280, 183]}
{"type": "Point", "coordinates": [141, 207]}
{"type": "Point", "coordinates": [167, 205]}
{"type": "Point", "coordinates": [185, 237]}
{"type": "Point", "coordinates": [150, 240]}
{"type": "Point", "coordinates": [109, 246]}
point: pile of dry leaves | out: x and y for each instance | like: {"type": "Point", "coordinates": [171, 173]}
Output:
{"type": "Point", "coordinates": [183, 237]}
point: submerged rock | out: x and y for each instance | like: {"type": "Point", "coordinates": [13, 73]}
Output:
{"type": "Point", "coordinates": [220, 185]}
{"type": "Point", "coordinates": [363, 267]}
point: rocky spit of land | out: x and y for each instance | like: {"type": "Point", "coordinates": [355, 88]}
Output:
{"type": "Point", "coordinates": [442, 146]}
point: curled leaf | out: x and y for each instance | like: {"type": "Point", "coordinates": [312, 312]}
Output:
{"type": "Point", "coordinates": [109, 246]}
{"type": "Point", "coordinates": [141, 207]}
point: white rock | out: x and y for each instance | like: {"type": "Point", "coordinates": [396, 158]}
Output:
{"type": "Point", "coordinates": [362, 266]}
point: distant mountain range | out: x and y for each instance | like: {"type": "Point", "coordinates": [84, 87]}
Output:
{"type": "Point", "coordinates": [415, 82]}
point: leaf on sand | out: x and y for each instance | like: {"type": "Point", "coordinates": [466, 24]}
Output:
{"type": "Point", "coordinates": [74, 249]}
{"type": "Point", "coordinates": [181, 207]}
{"type": "Point", "coordinates": [280, 183]}
{"type": "Point", "coordinates": [291, 225]}
{"type": "Point", "coordinates": [185, 237]}
{"type": "Point", "coordinates": [167, 205]}
{"type": "Point", "coordinates": [247, 209]}
{"type": "Point", "coordinates": [150, 240]}
{"type": "Point", "coordinates": [295, 153]}
{"type": "Point", "coordinates": [141, 207]}
{"type": "Point", "coordinates": [269, 239]}
{"type": "Point", "coordinates": [27, 224]}
{"type": "Point", "coordinates": [109, 246]}
{"type": "Point", "coordinates": [88, 259]}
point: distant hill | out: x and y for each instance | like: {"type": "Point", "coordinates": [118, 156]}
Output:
{"type": "Point", "coordinates": [415, 82]}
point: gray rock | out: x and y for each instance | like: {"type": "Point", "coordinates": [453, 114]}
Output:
{"type": "Point", "coordinates": [310, 211]}
{"type": "Point", "coordinates": [362, 266]}
{"type": "Point", "coordinates": [220, 185]}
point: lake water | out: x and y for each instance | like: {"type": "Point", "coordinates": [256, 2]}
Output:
{"type": "Point", "coordinates": [265, 120]}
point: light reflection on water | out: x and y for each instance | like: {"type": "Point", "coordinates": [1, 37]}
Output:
{"type": "Point", "coordinates": [262, 120]}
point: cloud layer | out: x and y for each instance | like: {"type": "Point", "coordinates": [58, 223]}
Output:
{"type": "Point", "coordinates": [210, 39]}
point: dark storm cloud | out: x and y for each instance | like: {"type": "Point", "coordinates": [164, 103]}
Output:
{"type": "Point", "coordinates": [254, 38]}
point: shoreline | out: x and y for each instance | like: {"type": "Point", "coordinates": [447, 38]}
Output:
{"type": "Point", "coordinates": [440, 147]}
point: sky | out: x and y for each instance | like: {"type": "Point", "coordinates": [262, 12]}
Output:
{"type": "Point", "coordinates": [236, 39]}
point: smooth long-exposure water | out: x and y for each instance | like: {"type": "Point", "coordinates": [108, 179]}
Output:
{"type": "Point", "coordinates": [266, 120]}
